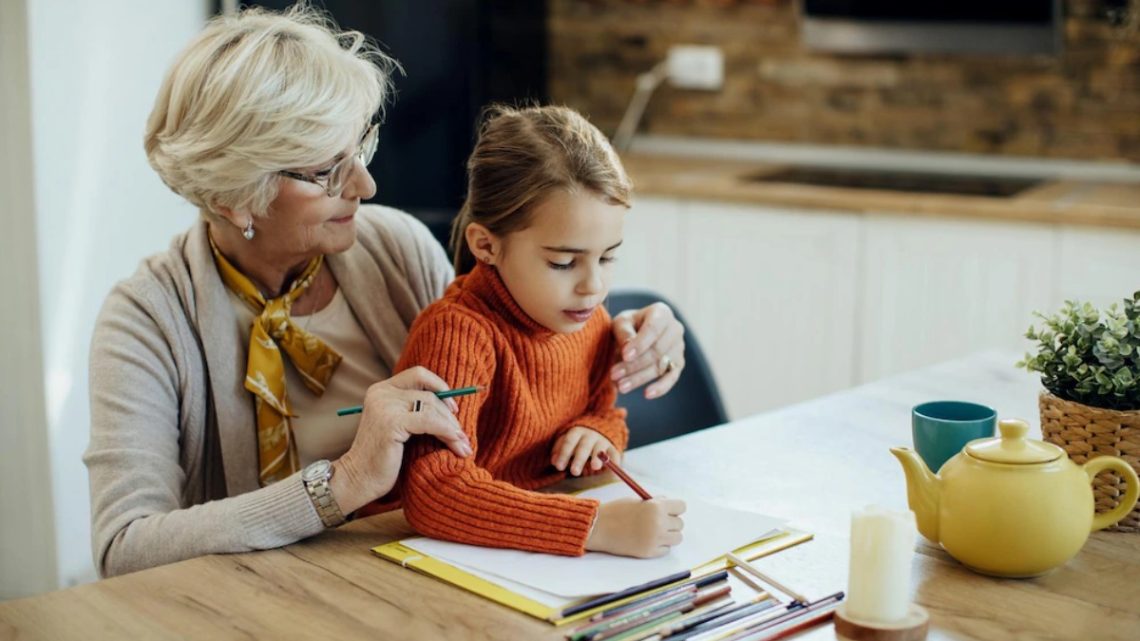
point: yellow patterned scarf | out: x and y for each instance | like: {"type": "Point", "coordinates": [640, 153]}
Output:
{"type": "Point", "coordinates": [265, 372]}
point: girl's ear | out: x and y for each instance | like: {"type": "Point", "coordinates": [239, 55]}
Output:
{"type": "Point", "coordinates": [484, 245]}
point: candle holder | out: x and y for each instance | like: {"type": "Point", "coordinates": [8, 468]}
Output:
{"type": "Point", "coordinates": [912, 627]}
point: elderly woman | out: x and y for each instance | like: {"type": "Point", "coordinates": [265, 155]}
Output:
{"type": "Point", "coordinates": [217, 368]}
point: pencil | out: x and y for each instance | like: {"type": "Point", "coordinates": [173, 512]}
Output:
{"type": "Point", "coordinates": [606, 599]}
{"type": "Point", "coordinates": [757, 622]}
{"type": "Point", "coordinates": [727, 616]}
{"type": "Point", "coordinates": [691, 619]}
{"type": "Point", "coordinates": [793, 627]}
{"type": "Point", "coordinates": [624, 608]}
{"type": "Point", "coordinates": [620, 625]}
{"type": "Point", "coordinates": [620, 473]}
{"type": "Point", "coordinates": [751, 569]}
{"type": "Point", "coordinates": [459, 391]}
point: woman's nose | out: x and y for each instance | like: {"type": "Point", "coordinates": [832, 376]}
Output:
{"type": "Point", "coordinates": [360, 183]}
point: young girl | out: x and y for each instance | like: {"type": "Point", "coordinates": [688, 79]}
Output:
{"type": "Point", "coordinates": [534, 245]}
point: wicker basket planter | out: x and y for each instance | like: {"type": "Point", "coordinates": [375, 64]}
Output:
{"type": "Point", "coordinates": [1086, 432]}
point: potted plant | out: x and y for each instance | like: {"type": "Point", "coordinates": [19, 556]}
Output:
{"type": "Point", "coordinates": [1089, 363]}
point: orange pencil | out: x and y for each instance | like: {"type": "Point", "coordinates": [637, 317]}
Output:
{"type": "Point", "coordinates": [620, 473]}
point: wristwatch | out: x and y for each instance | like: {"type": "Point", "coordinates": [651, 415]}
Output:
{"type": "Point", "coordinates": [316, 477]}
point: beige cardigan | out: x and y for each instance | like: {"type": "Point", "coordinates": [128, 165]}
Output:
{"type": "Point", "coordinates": [172, 460]}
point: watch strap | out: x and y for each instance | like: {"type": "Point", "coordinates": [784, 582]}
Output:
{"type": "Point", "coordinates": [321, 494]}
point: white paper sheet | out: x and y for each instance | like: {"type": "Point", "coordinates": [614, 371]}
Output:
{"type": "Point", "coordinates": [710, 531]}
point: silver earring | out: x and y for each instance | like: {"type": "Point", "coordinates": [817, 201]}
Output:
{"type": "Point", "coordinates": [248, 231]}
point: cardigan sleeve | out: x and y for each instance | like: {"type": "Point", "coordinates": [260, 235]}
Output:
{"type": "Point", "coordinates": [453, 498]}
{"type": "Point", "coordinates": [137, 456]}
{"type": "Point", "coordinates": [602, 414]}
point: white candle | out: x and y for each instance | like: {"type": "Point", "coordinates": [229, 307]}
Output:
{"type": "Point", "coordinates": [878, 582]}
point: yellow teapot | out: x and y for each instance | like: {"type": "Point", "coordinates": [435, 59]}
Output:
{"type": "Point", "coordinates": [1011, 506]}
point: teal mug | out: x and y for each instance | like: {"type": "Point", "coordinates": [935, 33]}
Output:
{"type": "Point", "coordinates": [942, 428]}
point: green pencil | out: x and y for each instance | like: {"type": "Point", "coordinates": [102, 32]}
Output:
{"type": "Point", "coordinates": [459, 391]}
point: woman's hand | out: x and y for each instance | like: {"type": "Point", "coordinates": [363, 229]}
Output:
{"type": "Point", "coordinates": [632, 527]}
{"type": "Point", "coordinates": [579, 445]}
{"type": "Point", "coordinates": [368, 470]}
{"type": "Point", "coordinates": [653, 349]}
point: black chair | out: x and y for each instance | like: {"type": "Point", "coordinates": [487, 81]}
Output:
{"type": "Point", "coordinates": [693, 403]}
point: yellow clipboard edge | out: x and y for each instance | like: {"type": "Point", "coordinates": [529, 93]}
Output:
{"type": "Point", "coordinates": [409, 558]}
{"type": "Point", "coordinates": [789, 537]}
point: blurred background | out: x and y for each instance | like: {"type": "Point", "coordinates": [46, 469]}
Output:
{"type": "Point", "coordinates": [832, 191]}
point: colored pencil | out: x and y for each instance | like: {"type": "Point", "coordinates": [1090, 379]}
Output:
{"type": "Point", "coordinates": [793, 627]}
{"type": "Point", "coordinates": [642, 630]}
{"type": "Point", "coordinates": [698, 582]}
{"type": "Point", "coordinates": [728, 616]}
{"type": "Point", "coordinates": [606, 599]}
{"type": "Point", "coordinates": [459, 391]}
{"type": "Point", "coordinates": [636, 616]}
{"type": "Point", "coordinates": [691, 618]}
{"type": "Point", "coordinates": [763, 621]}
{"type": "Point", "coordinates": [621, 474]}
{"type": "Point", "coordinates": [751, 569]}
{"type": "Point", "coordinates": [658, 616]}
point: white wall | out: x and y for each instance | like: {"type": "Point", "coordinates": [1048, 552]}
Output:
{"type": "Point", "coordinates": [99, 208]}
{"type": "Point", "coordinates": [27, 554]}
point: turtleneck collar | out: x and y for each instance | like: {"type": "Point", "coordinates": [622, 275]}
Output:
{"type": "Point", "coordinates": [485, 282]}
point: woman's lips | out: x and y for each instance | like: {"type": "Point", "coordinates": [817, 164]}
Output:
{"type": "Point", "coordinates": [343, 219]}
{"type": "Point", "coordinates": [579, 315]}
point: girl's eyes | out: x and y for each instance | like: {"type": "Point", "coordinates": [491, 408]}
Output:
{"type": "Point", "coordinates": [569, 265]}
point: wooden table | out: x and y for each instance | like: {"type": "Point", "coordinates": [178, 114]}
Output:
{"type": "Point", "coordinates": [812, 463]}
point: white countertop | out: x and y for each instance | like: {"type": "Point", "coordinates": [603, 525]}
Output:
{"type": "Point", "coordinates": [888, 159]}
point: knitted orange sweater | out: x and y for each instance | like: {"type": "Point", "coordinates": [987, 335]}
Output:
{"type": "Point", "coordinates": [539, 384]}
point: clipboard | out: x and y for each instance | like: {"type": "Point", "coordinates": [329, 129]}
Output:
{"type": "Point", "coordinates": [399, 553]}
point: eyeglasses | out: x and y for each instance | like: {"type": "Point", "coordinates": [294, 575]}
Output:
{"type": "Point", "coordinates": [333, 179]}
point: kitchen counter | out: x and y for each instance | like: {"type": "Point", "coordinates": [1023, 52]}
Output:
{"type": "Point", "coordinates": [1112, 201]}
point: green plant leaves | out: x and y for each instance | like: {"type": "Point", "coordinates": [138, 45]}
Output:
{"type": "Point", "coordinates": [1087, 356]}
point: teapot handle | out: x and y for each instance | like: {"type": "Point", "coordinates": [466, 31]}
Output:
{"type": "Point", "coordinates": [1127, 502]}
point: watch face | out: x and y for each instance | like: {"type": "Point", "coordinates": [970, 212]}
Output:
{"type": "Point", "coordinates": [316, 471]}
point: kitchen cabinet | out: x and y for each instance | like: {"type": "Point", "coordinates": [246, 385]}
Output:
{"type": "Point", "coordinates": [1100, 266]}
{"type": "Point", "coordinates": [770, 293]}
{"type": "Point", "coordinates": [933, 289]}
{"type": "Point", "coordinates": [791, 303]}
{"type": "Point", "coordinates": [650, 253]}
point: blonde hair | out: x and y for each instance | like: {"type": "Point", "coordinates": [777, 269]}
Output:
{"type": "Point", "coordinates": [520, 157]}
{"type": "Point", "coordinates": [256, 93]}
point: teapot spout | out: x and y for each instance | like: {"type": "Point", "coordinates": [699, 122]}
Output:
{"type": "Point", "coordinates": [923, 491]}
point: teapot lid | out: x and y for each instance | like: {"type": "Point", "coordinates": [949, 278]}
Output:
{"type": "Point", "coordinates": [1013, 447]}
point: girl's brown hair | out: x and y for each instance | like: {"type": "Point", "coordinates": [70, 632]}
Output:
{"type": "Point", "coordinates": [522, 154]}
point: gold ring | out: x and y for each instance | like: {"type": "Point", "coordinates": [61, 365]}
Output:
{"type": "Point", "coordinates": [665, 365]}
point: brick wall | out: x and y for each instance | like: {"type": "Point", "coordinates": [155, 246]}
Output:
{"type": "Point", "coordinates": [1083, 104]}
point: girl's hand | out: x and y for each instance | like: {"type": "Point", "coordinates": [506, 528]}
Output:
{"type": "Point", "coordinates": [580, 446]}
{"type": "Point", "coordinates": [653, 349]}
{"type": "Point", "coordinates": [369, 469]}
{"type": "Point", "coordinates": [632, 527]}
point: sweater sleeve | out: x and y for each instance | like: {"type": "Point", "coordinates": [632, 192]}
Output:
{"type": "Point", "coordinates": [454, 498]}
{"type": "Point", "coordinates": [602, 414]}
{"type": "Point", "coordinates": [136, 455]}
